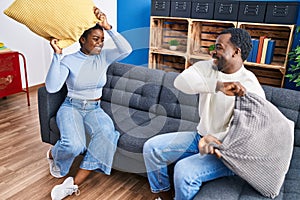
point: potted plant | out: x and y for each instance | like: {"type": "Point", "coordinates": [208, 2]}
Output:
{"type": "Point", "coordinates": [173, 44]}
{"type": "Point", "coordinates": [211, 48]}
{"type": "Point", "coordinates": [294, 57]}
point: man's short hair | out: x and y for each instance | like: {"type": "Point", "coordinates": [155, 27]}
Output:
{"type": "Point", "coordinates": [241, 39]}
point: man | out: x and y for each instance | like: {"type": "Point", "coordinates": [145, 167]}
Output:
{"type": "Point", "coordinates": [217, 81]}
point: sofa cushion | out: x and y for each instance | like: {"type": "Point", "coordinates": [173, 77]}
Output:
{"type": "Point", "coordinates": [287, 101]}
{"type": "Point", "coordinates": [134, 139]}
{"type": "Point", "coordinates": [234, 188]}
{"type": "Point", "coordinates": [131, 86]}
{"type": "Point", "coordinates": [176, 104]}
{"type": "Point", "coordinates": [65, 20]}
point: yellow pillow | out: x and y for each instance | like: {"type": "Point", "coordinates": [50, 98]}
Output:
{"type": "Point", "coordinates": [65, 20]}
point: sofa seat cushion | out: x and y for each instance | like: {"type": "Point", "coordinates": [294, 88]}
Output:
{"type": "Point", "coordinates": [134, 139]}
{"type": "Point", "coordinates": [137, 126]}
{"type": "Point", "coordinates": [234, 188]}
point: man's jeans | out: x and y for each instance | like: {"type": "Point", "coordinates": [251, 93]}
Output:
{"type": "Point", "coordinates": [191, 169]}
{"type": "Point", "coordinates": [74, 119]}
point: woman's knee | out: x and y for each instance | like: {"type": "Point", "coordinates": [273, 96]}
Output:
{"type": "Point", "coordinates": [149, 146]}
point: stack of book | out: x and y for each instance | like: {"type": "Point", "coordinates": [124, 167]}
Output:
{"type": "Point", "coordinates": [262, 50]}
{"type": "Point", "coordinates": [3, 48]}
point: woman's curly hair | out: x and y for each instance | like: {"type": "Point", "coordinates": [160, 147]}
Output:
{"type": "Point", "coordinates": [241, 39]}
{"type": "Point", "coordinates": [88, 31]}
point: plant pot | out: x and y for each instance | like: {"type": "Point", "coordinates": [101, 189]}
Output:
{"type": "Point", "coordinates": [173, 48]}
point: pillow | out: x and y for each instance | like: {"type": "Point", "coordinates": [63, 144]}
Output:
{"type": "Point", "coordinates": [65, 20]}
{"type": "Point", "coordinates": [259, 144]}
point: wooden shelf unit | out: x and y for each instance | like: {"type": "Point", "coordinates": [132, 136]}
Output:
{"type": "Point", "coordinates": [271, 74]}
{"type": "Point", "coordinates": [203, 34]}
{"type": "Point", "coordinates": [196, 35]}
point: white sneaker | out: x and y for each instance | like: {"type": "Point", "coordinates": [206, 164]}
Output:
{"type": "Point", "coordinates": [54, 170]}
{"type": "Point", "coordinates": [65, 189]}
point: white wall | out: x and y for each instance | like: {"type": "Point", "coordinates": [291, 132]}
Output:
{"type": "Point", "coordinates": [37, 50]}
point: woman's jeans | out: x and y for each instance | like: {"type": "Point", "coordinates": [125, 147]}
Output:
{"type": "Point", "coordinates": [75, 118]}
{"type": "Point", "coordinates": [191, 169]}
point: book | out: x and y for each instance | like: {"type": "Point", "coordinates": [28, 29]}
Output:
{"type": "Point", "coordinates": [260, 47]}
{"type": "Point", "coordinates": [264, 50]}
{"type": "Point", "coordinates": [249, 59]}
{"type": "Point", "coordinates": [254, 50]}
{"type": "Point", "coordinates": [270, 51]}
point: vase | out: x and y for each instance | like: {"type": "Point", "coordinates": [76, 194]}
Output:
{"type": "Point", "coordinates": [173, 48]}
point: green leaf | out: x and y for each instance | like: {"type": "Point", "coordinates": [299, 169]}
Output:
{"type": "Point", "coordinates": [211, 47]}
{"type": "Point", "coordinates": [288, 76]}
{"type": "Point", "coordinates": [174, 42]}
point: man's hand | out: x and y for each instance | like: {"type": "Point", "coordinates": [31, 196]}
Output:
{"type": "Point", "coordinates": [205, 146]}
{"type": "Point", "coordinates": [231, 88]}
{"type": "Point", "coordinates": [55, 47]}
{"type": "Point", "coordinates": [102, 19]}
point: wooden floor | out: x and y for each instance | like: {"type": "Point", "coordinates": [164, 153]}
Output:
{"type": "Point", "coordinates": [24, 171]}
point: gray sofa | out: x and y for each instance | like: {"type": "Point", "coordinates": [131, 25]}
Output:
{"type": "Point", "coordinates": [143, 103]}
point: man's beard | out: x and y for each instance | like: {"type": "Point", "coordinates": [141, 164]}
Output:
{"type": "Point", "coordinates": [217, 64]}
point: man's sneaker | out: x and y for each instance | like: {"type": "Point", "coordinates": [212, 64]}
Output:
{"type": "Point", "coordinates": [54, 170]}
{"type": "Point", "coordinates": [65, 189]}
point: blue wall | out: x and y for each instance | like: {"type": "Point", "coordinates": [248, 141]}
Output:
{"type": "Point", "coordinates": [133, 18]}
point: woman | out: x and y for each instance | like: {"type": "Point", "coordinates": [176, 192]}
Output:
{"type": "Point", "coordinates": [84, 73]}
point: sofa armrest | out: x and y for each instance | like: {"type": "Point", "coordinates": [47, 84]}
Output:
{"type": "Point", "coordinates": [48, 105]}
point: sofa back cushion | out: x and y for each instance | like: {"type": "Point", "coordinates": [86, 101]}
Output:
{"type": "Point", "coordinates": [288, 102]}
{"type": "Point", "coordinates": [176, 104]}
{"type": "Point", "coordinates": [131, 86]}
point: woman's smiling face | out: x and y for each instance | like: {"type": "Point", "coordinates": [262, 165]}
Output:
{"type": "Point", "coordinates": [93, 43]}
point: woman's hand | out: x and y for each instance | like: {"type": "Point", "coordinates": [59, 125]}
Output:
{"type": "Point", "coordinates": [102, 19]}
{"type": "Point", "coordinates": [205, 146]}
{"type": "Point", "coordinates": [231, 88]}
{"type": "Point", "coordinates": [55, 47]}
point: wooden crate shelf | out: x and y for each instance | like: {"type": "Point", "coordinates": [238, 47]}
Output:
{"type": "Point", "coordinates": [196, 35]}
{"type": "Point", "coordinates": [203, 34]}
{"type": "Point", "coordinates": [165, 29]}
{"type": "Point", "coordinates": [282, 34]}
{"type": "Point", "coordinates": [271, 77]}
{"type": "Point", "coordinates": [168, 62]}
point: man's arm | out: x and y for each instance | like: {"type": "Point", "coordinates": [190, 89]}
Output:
{"type": "Point", "coordinates": [198, 78]}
